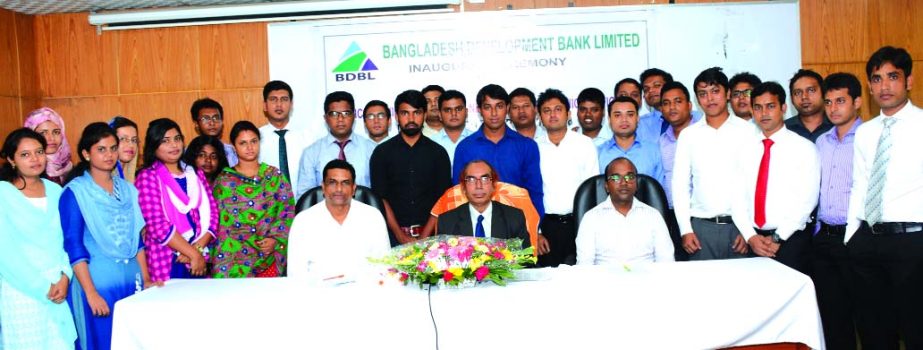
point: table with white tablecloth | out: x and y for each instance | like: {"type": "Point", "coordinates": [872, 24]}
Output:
{"type": "Point", "coordinates": [685, 305]}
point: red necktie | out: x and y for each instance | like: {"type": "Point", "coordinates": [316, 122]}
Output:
{"type": "Point", "coordinates": [759, 201]}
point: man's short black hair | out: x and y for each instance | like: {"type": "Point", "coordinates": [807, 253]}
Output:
{"type": "Point", "coordinates": [493, 91]}
{"type": "Point", "coordinates": [200, 104]}
{"type": "Point", "coordinates": [631, 81]}
{"type": "Point", "coordinates": [624, 99]}
{"type": "Point", "coordinates": [340, 164]}
{"type": "Point", "coordinates": [338, 96]}
{"type": "Point", "coordinates": [549, 94]}
{"type": "Point", "coordinates": [277, 85]}
{"type": "Point", "coordinates": [413, 98]}
{"type": "Point", "coordinates": [744, 77]}
{"type": "Point", "coordinates": [655, 72]}
{"type": "Point", "coordinates": [802, 73]}
{"type": "Point", "coordinates": [711, 76]}
{"type": "Point", "coordinates": [452, 94]}
{"type": "Point", "coordinates": [521, 91]}
{"type": "Point", "coordinates": [897, 56]}
{"type": "Point", "coordinates": [843, 80]}
{"type": "Point", "coordinates": [674, 85]}
{"type": "Point", "coordinates": [592, 95]}
{"type": "Point", "coordinates": [378, 103]}
{"type": "Point", "coordinates": [773, 88]}
{"type": "Point", "coordinates": [429, 88]}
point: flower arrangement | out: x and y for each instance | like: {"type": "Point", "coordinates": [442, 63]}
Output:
{"type": "Point", "coordinates": [457, 261]}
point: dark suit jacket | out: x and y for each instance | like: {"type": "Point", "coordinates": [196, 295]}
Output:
{"type": "Point", "coordinates": [506, 222]}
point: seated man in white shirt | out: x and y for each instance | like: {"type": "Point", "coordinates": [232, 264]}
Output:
{"type": "Point", "coordinates": [336, 236]}
{"type": "Point", "coordinates": [622, 230]}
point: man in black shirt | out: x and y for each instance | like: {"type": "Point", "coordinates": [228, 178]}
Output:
{"type": "Point", "coordinates": [808, 100]}
{"type": "Point", "coordinates": [409, 172]}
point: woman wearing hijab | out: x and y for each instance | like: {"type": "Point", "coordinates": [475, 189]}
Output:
{"type": "Point", "coordinates": [102, 236]}
{"type": "Point", "coordinates": [34, 270]}
{"type": "Point", "coordinates": [176, 201]}
{"type": "Point", "coordinates": [49, 124]}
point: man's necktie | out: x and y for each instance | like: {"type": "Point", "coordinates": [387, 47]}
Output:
{"type": "Point", "coordinates": [876, 188]}
{"type": "Point", "coordinates": [762, 180]}
{"type": "Point", "coordinates": [283, 154]}
{"type": "Point", "coordinates": [342, 144]}
{"type": "Point", "coordinates": [479, 228]}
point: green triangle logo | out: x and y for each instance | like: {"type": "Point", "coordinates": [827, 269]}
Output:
{"type": "Point", "coordinates": [354, 60]}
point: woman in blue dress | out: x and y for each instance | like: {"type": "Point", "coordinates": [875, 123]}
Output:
{"type": "Point", "coordinates": [102, 236]}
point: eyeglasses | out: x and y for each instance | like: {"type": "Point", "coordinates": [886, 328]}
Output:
{"type": "Point", "coordinates": [210, 118]}
{"type": "Point", "coordinates": [208, 156]}
{"type": "Point", "coordinates": [175, 139]}
{"type": "Point", "coordinates": [619, 178]}
{"type": "Point", "coordinates": [373, 116]}
{"type": "Point", "coordinates": [133, 140]}
{"type": "Point", "coordinates": [741, 93]}
{"type": "Point", "coordinates": [483, 180]}
{"type": "Point", "coordinates": [339, 114]}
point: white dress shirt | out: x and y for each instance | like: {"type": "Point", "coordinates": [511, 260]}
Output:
{"type": "Point", "coordinates": [606, 237]}
{"type": "Point", "coordinates": [902, 197]}
{"type": "Point", "coordinates": [709, 157]}
{"type": "Point", "coordinates": [316, 156]}
{"type": "Point", "coordinates": [792, 188]}
{"type": "Point", "coordinates": [295, 142]}
{"type": "Point", "coordinates": [564, 167]}
{"type": "Point", "coordinates": [442, 138]}
{"type": "Point", "coordinates": [488, 215]}
{"type": "Point", "coordinates": [319, 246]}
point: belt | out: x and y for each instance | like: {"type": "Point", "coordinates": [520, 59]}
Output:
{"type": "Point", "coordinates": [412, 230]}
{"type": "Point", "coordinates": [832, 230]}
{"type": "Point", "coordinates": [894, 228]}
{"type": "Point", "coordinates": [560, 218]}
{"type": "Point", "coordinates": [720, 220]}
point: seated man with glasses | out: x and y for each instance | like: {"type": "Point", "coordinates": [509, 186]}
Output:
{"type": "Point", "coordinates": [481, 216]}
{"type": "Point", "coordinates": [622, 231]}
{"type": "Point", "coordinates": [339, 143]}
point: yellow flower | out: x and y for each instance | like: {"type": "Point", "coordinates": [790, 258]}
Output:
{"type": "Point", "coordinates": [456, 271]}
{"type": "Point", "coordinates": [507, 255]}
{"type": "Point", "coordinates": [435, 267]}
{"type": "Point", "coordinates": [453, 242]}
{"type": "Point", "coordinates": [481, 248]}
{"type": "Point", "coordinates": [475, 264]}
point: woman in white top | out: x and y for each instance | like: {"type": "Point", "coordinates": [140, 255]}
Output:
{"type": "Point", "coordinates": [34, 269]}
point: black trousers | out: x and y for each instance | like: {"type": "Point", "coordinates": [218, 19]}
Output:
{"type": "Point", "coordinates": [795, 252]}
{"type": "Point", "coordinates": [561, 235]}
{"type": "Point", "coordinates": [831, 281]}
{"type": "Point", "coordinates": [887, 278]}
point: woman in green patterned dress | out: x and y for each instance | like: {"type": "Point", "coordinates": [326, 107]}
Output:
{"type": "Point", "coordinates": [257, 207]}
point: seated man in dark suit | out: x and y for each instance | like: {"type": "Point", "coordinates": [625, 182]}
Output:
{"type": "Point", "coordinates": [482, 217]}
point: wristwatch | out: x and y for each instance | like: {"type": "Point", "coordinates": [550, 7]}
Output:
{"type": "Point", "coordinates": [776, 238]}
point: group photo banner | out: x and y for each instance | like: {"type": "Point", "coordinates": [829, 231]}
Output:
{"type": "Point", "coordinates": [569, 49]}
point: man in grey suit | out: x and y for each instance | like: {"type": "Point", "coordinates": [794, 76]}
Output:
{"type": "Point", "coordinates": [482, 217]}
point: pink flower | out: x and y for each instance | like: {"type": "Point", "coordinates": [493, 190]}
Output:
{"type": "Point", "coordinates": [422, 266]}
{"type": "Point", "coordinates": [404, 276]}
{"type": "Point", "coordinates": [497, 255]}
{"type": "Point", "coordinates": [481, 272]}
{"type": "Point", "coordinates": [447, 276]}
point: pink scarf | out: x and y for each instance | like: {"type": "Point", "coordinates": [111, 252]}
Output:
{"type": "Point", "coordinates": [59, 163]}
{"type": "Point", "coordinates": [176, 202]}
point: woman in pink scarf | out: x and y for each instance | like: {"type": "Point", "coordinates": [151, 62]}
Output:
{"type": "Point", "coordinates": [49, 124]}
{"type": "Point", "coordinates": [176, 202]}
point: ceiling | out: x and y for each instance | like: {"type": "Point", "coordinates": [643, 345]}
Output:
{"type": "Point", "coordinates": [41, 7]}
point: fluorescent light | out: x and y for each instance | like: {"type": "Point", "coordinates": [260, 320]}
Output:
{"type": "Point", "coordinates": [276, 11]}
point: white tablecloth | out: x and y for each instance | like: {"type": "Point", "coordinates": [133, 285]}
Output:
{"type": "Point", "coordinates": [688, 305]}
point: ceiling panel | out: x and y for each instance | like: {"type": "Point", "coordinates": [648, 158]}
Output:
{"type": "Point", "coordinates": [41, 7]}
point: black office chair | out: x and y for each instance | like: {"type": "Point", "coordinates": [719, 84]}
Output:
{"type": "Point", "coordinates": [363, 194]}
{"type": "Point", "coordinates": [593, 191]}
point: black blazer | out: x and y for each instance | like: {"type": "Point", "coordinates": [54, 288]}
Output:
{"type": "Point", "coordinates": [506, 222]}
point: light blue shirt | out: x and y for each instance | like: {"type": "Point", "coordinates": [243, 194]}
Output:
{"type": "Point", "coordinates": [645, 155]}
{"type": "Point", "coordinates": [442, 138]}
{"type": "Point", "coordinates": [652, 124]}
{"type": "Point", "coordinates": [310, 170]}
